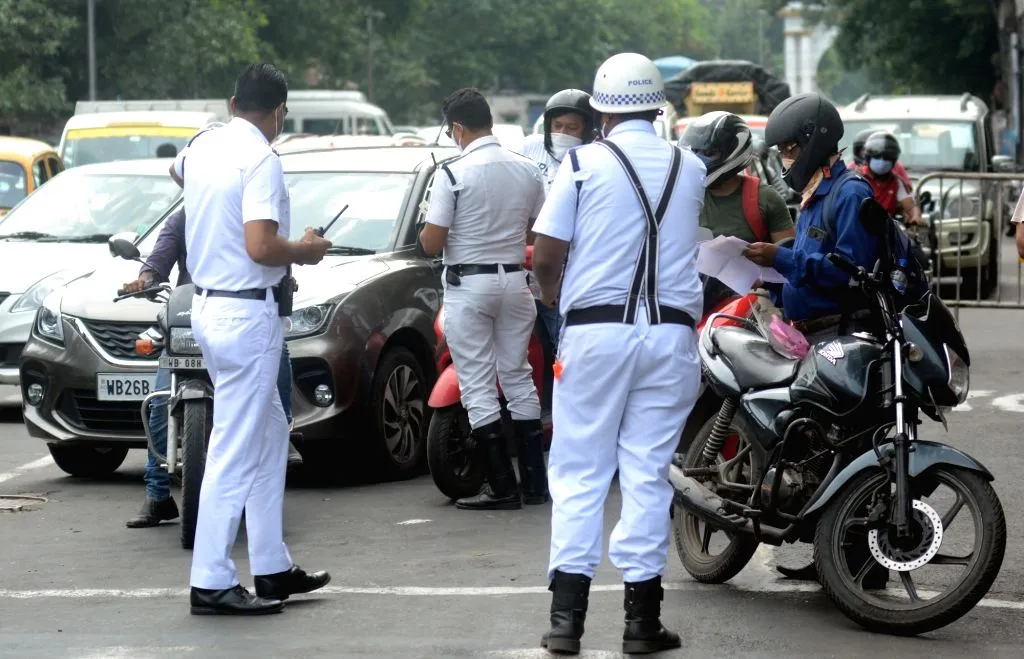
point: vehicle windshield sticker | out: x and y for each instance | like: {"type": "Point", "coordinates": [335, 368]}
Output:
{"type": "Point", "coordinates": [833, 352]}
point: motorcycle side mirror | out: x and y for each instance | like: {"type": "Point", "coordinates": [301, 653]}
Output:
{"type": "Point", "coordinates": [873, 217]}
{"type": "Point", "coordinates": [925, 202]}
{"type": "Point", "coordinates": [1004, 164]}
{"type": "Point", "coordinates": [123, 245]}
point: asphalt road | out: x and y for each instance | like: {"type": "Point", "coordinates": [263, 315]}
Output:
{"type": "Point", "coordinates": [413, 577]}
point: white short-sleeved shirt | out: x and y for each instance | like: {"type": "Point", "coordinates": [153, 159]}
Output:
{"type": "Point", "coordinates": [499, 192]}
{"type": "Point", "coordinates": [607, 229]}
{"type": "Point", "coordinates": [1018, 210]}
{"type": "Point", "coordinates": [231, 177]}
{"type": "Point", "coordinates": [533, 148]}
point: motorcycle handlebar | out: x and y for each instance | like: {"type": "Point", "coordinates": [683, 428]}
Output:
{"type": "Point", "coordinates": [145, 292]}
{"type": "Point", "coordinates": [844, 265]}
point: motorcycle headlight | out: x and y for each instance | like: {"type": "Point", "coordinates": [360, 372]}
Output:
{"type": "Point", "coordinates": [962, 207]}
{"type": "Point", "coordinates": [183, 342]}
{"type": "Point", "coordinates": [33, 298]}
{"type": "Point", "coordinates": [49, 322]}
{"type": "Point", "coordinates": [959, 374]}
{"type": "Point", "coordinates": [309, 320]}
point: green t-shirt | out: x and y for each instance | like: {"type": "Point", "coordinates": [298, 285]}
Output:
{"type": "Point", "coordinates": [724, 215]}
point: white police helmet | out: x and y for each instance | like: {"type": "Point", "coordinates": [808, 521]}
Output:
{"type": "Point", "coordinates": [626, 83]}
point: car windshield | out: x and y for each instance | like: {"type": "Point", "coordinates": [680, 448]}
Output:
{"type": "Point", "coordinates": [74, 206]}
{"type": "Point", "coordinates": [12, 183]}
{"type": "Point", "coordinates": [89, 147]}
{"type": "Point", "coordinates": [374, 200]}
{"type": "Point", "coordinates": [925, 145]}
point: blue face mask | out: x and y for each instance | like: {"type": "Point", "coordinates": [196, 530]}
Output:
{"type": "Point", "coordinates": [879, 166]}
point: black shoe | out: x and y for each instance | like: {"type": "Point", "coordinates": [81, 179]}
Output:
{"type": "Point", "coordinates": [294, 457]}
{"type": "Point", "coordinates": [153, 512]}
{"type": "Point", "coordinates": [644, 633]}
{"type": "Point", "coordinates": [568, 613]}
{"type": "Point", "coordinates": [293, 581]}
{"type": "Point", "coordinates": [501, 491]}
{"type": "Point", "coordinates": [530, 453]}
{"type": "Point", "coordinates": [235, 601]}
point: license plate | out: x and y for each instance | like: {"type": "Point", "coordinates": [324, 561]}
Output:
{"type": "Point", "coordinates": [124, 386]}
{"type": "Point", "coordinates": [183, 363]}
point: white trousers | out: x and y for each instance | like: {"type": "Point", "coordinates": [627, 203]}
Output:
{"type": "Point", "coordinates": [248, 453]}
{"type": "Point", "coordinates": [488, 321]}
{"type": "Point", "coordinates": [621, 401]}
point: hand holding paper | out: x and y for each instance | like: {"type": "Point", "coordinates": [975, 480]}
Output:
{"type": "Point", "coordinates": [723, 259]}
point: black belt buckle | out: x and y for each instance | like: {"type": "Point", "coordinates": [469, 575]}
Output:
{"type": "Point", "coordinates": [286, 295]}
{"type": "Point", "coordinates": [452, 277]}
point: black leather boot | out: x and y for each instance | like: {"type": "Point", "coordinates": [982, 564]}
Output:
{"type": "Point", "coordinates": [501, 492]}
{"type": "Point", "coordinates": [292, 581]}
{"type": "Point", "coordinates": [571, 593]}
{"type": "Point", "coordinates": [153, 512]}
{"type": "Point", "coordinates": [644, 633]}
{"type": "Point", "coordinates": [533, 475]}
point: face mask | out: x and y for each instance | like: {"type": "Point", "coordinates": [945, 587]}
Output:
{"type": "Point", "coordinates": [879, 166]}
{"type": "Point", "coordinates": [561, 143]}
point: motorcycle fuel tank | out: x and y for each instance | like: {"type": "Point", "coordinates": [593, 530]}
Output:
{"type": "Point", "coordinates": [179, 306]}
{"type": "Point", "coordinates": [837, 374]}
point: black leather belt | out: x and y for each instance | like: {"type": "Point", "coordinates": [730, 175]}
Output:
{"type": "Point", "coordinates": [247, 294]}
{"type": "Point", "coordinates": [615, 313]}
{"type": "Point", "coordinates": [465, 269]}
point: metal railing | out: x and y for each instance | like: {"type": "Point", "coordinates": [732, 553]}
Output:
{"type": "Point", "coordinates": [968, 216]}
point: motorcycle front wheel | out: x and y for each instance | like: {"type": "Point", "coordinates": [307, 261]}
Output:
{"type": "Point", "coordinates": [451, 454]}
{"type": "Point", "coordinates": [847, 546]}
{"type": "Point", "coordinates": [197, 422]}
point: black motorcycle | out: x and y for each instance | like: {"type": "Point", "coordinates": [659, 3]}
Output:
{"type": "Point", "coordinates": [825, 450]}
{"type": "Point", "coordinates": [190, 395]}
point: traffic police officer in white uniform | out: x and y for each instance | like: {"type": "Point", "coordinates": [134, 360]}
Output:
{"type": "Point", "coordinates": [626, 211]}
{"type": "Point", "coordinates": [237, 222]}
{"type": "Point", "coordinates": [481, 206]}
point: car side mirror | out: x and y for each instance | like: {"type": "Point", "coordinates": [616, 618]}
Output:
{"type": "Point", "coordinates": [123, 245]}
{"type": "Point", "coordinates": [1003, 164]}
{"type": "Point", "coordinates": [873, 217]}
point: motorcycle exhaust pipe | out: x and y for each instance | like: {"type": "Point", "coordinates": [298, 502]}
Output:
{"type": "Point", "coordinates": [713, 509]}
{"type": "Point", "coordinates": [172, 433]}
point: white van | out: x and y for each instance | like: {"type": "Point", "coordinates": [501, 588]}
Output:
{"type": "Point", "coordinates": [105, 131]}
{"type": "Point", "coordinates": [334, 112]}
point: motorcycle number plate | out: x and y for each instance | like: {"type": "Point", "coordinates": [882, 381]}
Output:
{"type": "Point", "coordinates": [183, 363]}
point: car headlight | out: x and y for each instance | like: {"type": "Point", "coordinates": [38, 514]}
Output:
{"type": "Point", "coordinates": [32, 299]}
{"type": "Point", "coordinates": [183, 342]}
{"type": "Point", "coordinates": [309, 320]}
{"type": "Point", "coordinates": [962, 207]}
{"type": "Point", "coordinates": [959, 374]}
{"type": "Point", "coordinates": [49, 322]}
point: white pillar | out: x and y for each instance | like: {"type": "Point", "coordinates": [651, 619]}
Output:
{"type": "Point", "coordinates": [792, 62]}
{"type": "Point", "coordinates": [807, 64]}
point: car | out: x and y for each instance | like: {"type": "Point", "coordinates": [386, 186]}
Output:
{"type": "Point", "coordinates": [24, 166]}
{"type": "Point", "coordinates": [511, 136]}
{"type": "Point", "coordinates": [60, 232]}
{"type": "Point", "coordinates": [361, 338]}
{"type": "Point", "coordinates": [951, 134]}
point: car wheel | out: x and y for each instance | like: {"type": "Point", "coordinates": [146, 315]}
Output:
{"type": "Point", "coordinates": [87, 461]}
{"type": "Point", "coordinates": [399, 411]}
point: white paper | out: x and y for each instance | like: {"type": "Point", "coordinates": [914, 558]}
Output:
{"type": "Point", "coordinates": [722, 258]}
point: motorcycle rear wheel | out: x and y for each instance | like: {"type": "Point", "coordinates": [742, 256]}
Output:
{"type": "Point", "coordinates": [197, 422]}
{"type": "Point", "coordinates": [868, 608]}
{"type": "Point", "coordinates": [452, 460]}
{"type": "Point", "coordinates": [693, 544]}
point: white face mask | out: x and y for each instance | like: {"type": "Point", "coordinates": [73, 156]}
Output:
{"type": "Point", "coordinates": [561, 143]}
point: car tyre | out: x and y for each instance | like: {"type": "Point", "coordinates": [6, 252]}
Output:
{"type": "Point", "coordinates": [87, 461]}
{"type": "Point", "coordinates": [399, 414]}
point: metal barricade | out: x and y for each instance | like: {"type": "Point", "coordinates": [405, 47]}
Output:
{"type": "Point", "coordinates": [974, 261]}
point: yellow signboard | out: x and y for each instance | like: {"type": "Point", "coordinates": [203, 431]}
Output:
{"type": "Point", "coordinates": [721, 92]}
{"type": "Point", "coordinates": [131, 130]}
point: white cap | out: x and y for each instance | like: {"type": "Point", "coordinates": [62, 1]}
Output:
{"type": "Point", "coordinates": [628, 82]}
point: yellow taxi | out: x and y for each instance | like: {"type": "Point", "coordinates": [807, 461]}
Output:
{"type": "Point", "coordinates": [24, 166]}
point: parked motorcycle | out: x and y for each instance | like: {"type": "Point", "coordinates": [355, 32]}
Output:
{"type": "Point", "coordinates": [825, 450]}
{"type": "Point", "coordinates": [190, 395]}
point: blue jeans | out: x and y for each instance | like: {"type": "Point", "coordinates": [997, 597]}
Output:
{"type": "Point", "coordinates": [550, 323]}
{"type": "Point", "coordinates": [158, 481]}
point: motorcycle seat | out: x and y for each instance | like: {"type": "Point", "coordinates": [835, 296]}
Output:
{"type": "Point", "coordinates": [752, 360]}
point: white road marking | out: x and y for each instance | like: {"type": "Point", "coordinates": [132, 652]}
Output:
{"type": "Point", "coordinates": [768, 587]}
{"type": "Point", "coordinates": [1011, 403]}
{"type": "Point", "coordinates": [410, 522]}
{"type": "Point", "coordinates": [980, 393]}
{"type": "Point", "coordinates": [135, 651]}
{"type": "Point", "coordinates": [541, 653]}
{"type": "Point", "coordinates": [25, 468]}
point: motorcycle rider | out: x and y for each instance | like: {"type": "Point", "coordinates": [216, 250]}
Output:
{"type": "Point", "coordinates": [568, 122]}
{"type": "Point", "coordinates": [858, 157]}
{"type": "Point", "coordinates": [881, 155]}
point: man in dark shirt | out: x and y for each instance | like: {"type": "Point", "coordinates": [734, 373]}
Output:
{"type": "Point", "coordinates": [168, 252]}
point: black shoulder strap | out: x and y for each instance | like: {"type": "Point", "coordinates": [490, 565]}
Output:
{"type": "Point", "coordinates": [451, 178]}
{"type": "Point", "coordinates": [645, 275]}
{"type": "Point", "coordinates": [828, 213]}
{"type": "Point", "coordinates": [576, 169]}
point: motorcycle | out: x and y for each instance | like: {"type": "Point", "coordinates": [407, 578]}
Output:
{"type": "Point", "coordinates": [451, 450]}
{"type": "Point", "coordinates": [825, 450]}
{"type": "Point", "coordinates": [190, 395]}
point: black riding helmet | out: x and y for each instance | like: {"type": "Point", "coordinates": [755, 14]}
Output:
{"type": "Point", "coordinates": [858, 144]}
{"type": "Point", "coordinates": [814, 124]}
{"type": "Point", "coordinates": [569, 100]}
{"type": "Point", "coordinates": [882, 145]}
{"type": "Point", "coordinates": [723, 140]}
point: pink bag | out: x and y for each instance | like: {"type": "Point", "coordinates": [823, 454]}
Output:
{"type": "Point", "coordinates": [788, 340]}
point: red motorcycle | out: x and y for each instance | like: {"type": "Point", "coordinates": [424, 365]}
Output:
{"type": "Point", "coordinates": [451, 450]}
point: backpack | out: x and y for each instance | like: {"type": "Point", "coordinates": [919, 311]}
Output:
{"type": "Point", "coordinates": [750, 191]}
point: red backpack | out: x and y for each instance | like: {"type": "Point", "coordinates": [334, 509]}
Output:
{"type": "Point", "coordinates": [751, 186]}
